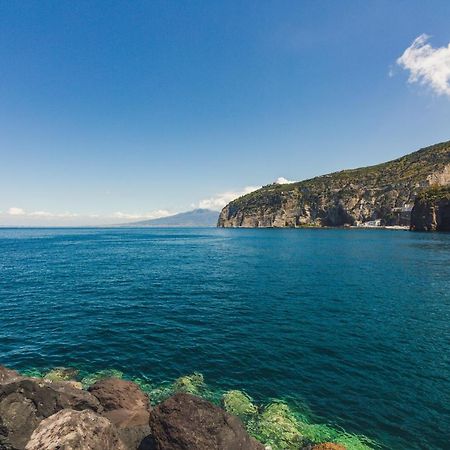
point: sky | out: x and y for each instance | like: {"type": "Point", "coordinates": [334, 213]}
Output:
{"type": "Point", "coordinates": [118, 111]}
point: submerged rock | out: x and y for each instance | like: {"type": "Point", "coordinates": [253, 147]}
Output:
{"type": "Point", "coordinates": [279, 427]}
{"type": "Point", "coordinates": [62, 374]}
{"type": "Point", "coordinates": [189, 384]}
{"type": "Point", "coordinates": [75, 430]}
{"type": "Point", "coordinates": [186, 422]}
{"type": "Point", "coordinates": [239, 404]}
{"type": "Point", "coordinates": [127, 407]}
{"type": "Point", "coordinates": [92, 378]}
{"type": "Point", "coordinates": [25, 402]}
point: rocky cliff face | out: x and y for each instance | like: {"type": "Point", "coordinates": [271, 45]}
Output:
{"type": "Point", "coordinates": [431, 210]}
{"type": "Point", "coordinates": [349, 197]}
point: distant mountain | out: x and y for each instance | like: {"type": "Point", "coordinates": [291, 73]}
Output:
{"type": "Point", "coordinates": [195, 218]}
{"type": "Point", "coordinates": [349, 197]}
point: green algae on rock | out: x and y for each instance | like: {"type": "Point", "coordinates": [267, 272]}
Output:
{"type": "Point", "coordinates": [61, 374]}
{"type": "Point", "coordinates": [92, 378]}
{"type": "Point", "coordinates": [190, 384]}
{"type": "Point", "coordinates": [239, 404]}
{"type": "Point", "coordinates": [277, 426]}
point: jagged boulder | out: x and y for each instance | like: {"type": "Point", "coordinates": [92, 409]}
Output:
{"type": "Point", "coordinates": [24, 403]}
{"type": "Point", "coordinates": [187, 422]}
{"type": "Point", "coordinates": [75, 430]}
{"type": "Point", "coordinates": [127, 407]}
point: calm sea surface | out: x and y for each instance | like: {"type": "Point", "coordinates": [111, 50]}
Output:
{"type": "Point", "coordinates": [354, 323]}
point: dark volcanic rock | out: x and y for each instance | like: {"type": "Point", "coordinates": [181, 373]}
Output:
{"type": "Point", "coordinates": [24, 403]}
{"type": "Point", "coordinates": [186, 422]}
{"type": "Point", "coordinates": [431, 210]}
{"type": "Point", "coordinates": [127, 407]}
{"type": "Point", "coordinates": [75, 430]}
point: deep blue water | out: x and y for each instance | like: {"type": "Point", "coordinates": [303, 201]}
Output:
{"type": "Point", "coordinates": [355, 323]}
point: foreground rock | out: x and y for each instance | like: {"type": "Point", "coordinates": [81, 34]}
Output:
{"type": "Point", "coordinates": [328, 446]}
{"type": "Point", "coordinates": [26, 402]}
{"type": "Point", "coordinates": [8, 375]}
{"type": "Point", "coordinates": [186, 422]}
{"type": "Point", "coordinates": [127, 407]}
{"type": "Point", "coordinates": [431, 210]}
{"type": "Point", "coordinates": [75, 430]}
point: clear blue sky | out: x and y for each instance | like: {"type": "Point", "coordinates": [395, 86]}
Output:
{"type": "Point", "coordinates": [135, 107]}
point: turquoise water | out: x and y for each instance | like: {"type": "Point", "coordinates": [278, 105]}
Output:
{"type": "Point", "coordinates": [352, 323]}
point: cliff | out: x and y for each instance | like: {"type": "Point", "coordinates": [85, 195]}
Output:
{"type": "Point", "coordinates": [348, 197]}
{"type": "Point", "coordinates": [431, 210]}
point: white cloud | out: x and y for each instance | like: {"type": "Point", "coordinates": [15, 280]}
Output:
{"type": "Point", "coordinates": [220, 200]}
{"type": "Point", "coordinates": [282, 180]}
{"type": "Point", "coordinates": [150, 215]}
{"type": "Point", "coordinates": [51, 215]}
{"type": "Point", "coordinates": [15, 211]}
{"type": "Point", "coordinates": [427, 65]}
{"type": "Point", "coordinates": [20, 216]}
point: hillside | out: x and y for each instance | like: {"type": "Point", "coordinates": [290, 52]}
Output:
{"type": "Point", "coordinates": [348, 197]}
{"type": "Point", "coordinates": [195, 218]}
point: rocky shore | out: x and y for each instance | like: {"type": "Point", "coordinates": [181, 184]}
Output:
{"type": "Point", "coordinates": [58, 412]}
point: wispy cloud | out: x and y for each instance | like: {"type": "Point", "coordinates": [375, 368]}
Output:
{"type": "Point", "coordinates": [218, 201]}
{"type": "Point", "coordinates": [427, 65]}
{"type": "Point", "coordinates": [15, 211]}
{"type": "Point", "coordinates": [136, 216]}
{"type": "Point", "coordinates": [282, 180]}
{"type": "Point", "coordinates": [20, 216]}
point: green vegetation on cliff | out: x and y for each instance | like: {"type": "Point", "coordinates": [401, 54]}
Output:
{"type": "Point", "coordinates": [435, 193]}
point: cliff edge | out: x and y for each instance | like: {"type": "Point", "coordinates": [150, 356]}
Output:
{"type": "Point", "coordinates": [349, 197]}
{"type": "Point", "coordinates": [431, 210]}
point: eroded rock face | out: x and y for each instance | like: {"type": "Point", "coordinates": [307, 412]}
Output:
{"type": "Point", "coordinates": [349, 197]}
{"type": "Point", "coordinates": [75, 430]}
{"type": "Point", "coordinates": [127, 407]}
{"type": "Point", "coordinates": [186, 422]}
{"type": "Point", "coordinates": [26, 402]}
{"type": "Point", "coordinates": [431, 210]}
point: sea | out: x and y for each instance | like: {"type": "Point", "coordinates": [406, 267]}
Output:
{"type": "Point", "coordinates": [351, 324]}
